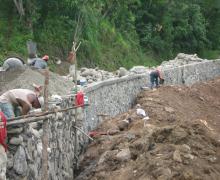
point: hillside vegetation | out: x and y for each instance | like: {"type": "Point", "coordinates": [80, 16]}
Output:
{"type": "Point", "coordinates": [113, 33]}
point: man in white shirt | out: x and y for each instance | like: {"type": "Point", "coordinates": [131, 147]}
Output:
{"type": "Point", "coordinates": [24, 98]}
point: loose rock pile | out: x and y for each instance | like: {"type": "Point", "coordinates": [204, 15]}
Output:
{"type": "Point", "coordinates": [96, 75]}
{"type": "Point", "coordinates": [182, 59]}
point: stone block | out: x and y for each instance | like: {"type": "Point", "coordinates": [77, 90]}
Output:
{"type": "Point", "coordinates": [16, 140]}
{"type": "Point", "coordinates": [15, 130]}
{"type": "Point", "coordinates": [20, 163]}
{"type": "Point", "coordinates": [124, 155]}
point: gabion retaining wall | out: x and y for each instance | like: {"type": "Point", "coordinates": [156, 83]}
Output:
{"type": "Point", "coordinates": [110, 97]}
{"type": "Point", "coordinates": [116, 96]}
{"type": "Point", "coordinates": [25, 147]}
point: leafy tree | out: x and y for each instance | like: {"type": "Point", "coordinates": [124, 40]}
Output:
{"type": "Point", "coordinates": [113, 32]}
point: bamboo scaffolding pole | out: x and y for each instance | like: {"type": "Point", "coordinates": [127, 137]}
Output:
{"type": "Point", "coordinates": [29, 120]}
{"type": "Point", "coordinates": [45, 113]}
{"type": "Point", "coordinates": [103, 115]}
{"type": "Point", "coordinates": [83, 133]}
{"type": "Point", "coordinates": [45, 139]}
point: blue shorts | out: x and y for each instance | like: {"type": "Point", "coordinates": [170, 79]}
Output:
{"type": "Point", "coordinates": [7, 109]}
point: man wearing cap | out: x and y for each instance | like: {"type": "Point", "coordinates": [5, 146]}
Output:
{"type": "Point", "coordinates": [11, 100]}
{"type": "Point", "coordinates": [39, 63]}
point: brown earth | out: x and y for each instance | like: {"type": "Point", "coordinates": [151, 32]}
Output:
{"type": "Point", "coordinates": [180, 141]}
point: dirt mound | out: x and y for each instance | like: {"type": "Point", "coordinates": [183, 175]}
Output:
{"type": "Point", "coordinates": [25, 79]}
{"type": "Point", "coordinates": [180, 140]}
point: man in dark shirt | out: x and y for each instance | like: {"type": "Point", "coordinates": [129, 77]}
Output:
{"type": "Point", "coordinates": [154, 75]}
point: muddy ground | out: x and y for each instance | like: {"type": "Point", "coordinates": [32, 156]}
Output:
{"type": "Point", "coordinates": [181, 140]}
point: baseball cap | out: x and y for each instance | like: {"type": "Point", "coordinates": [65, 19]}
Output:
{"type": "Point", "coordinates": [46, 57]}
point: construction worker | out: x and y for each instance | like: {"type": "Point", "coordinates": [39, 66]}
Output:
{"type": "Point", "coordinates": [38, 63]}
{"type": "Point", "coordinates": [12, 100]}
{"type": "Point", "coordinates": [154, 76]}
{"type": "Point", "coordinates": [31, 59]}
{"type": "Point", "coordinates": [13, 63]}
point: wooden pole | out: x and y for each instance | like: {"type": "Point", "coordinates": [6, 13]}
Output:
{"type": "Point", "coordinates": [74, 50]}
{"type": "Point", "coordinates": [29, 120]}
{"type": "Point", "coordinates": [44, 113]}
{"type": "Point", "coordinates": [45, 142]}
{"type": "Point", "coordinates": [83, 133]}
{"type": "Point", "coordinates": [76, 116]}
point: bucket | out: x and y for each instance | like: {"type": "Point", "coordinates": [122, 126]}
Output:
{"type": "Point", "coordinates": [82, 82]}
{"type": "Point", "coordinates": [79, 100]}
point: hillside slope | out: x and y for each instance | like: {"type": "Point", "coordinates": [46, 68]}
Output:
{"type": "Point", "coordinates": [180, 140]}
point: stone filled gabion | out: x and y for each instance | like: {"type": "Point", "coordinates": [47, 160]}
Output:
{"type": "Point", "coordinates": [25, 147]}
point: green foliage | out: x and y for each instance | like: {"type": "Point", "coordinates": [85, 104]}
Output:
{"type": "Point", "coordinates": [175, 27]}
{"type": "Point", "coordinates": [55, 35]}
{"type": "Point", "coordinates": [210, 54]}
{"type": "Point", "coordinates": [13, 42]}
{"type": "Point", "coordinates": [113, 33]}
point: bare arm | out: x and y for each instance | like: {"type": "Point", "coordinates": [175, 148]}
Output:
{"type": "Point", "coordinates": [160, 75]}
{"type": "Point", "coordinates": [25, 107]}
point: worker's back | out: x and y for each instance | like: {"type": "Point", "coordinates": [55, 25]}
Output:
{"type": "Point", "coordinates": [40, 63]}
{"type": "Point", "coordinates": [11, 96]}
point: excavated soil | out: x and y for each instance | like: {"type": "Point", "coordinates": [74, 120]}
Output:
{"type": "Point", "coordinates": [181, 139]}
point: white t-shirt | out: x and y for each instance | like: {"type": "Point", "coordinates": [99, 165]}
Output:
{"type": "Point", "coordinates": [11, 96]}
